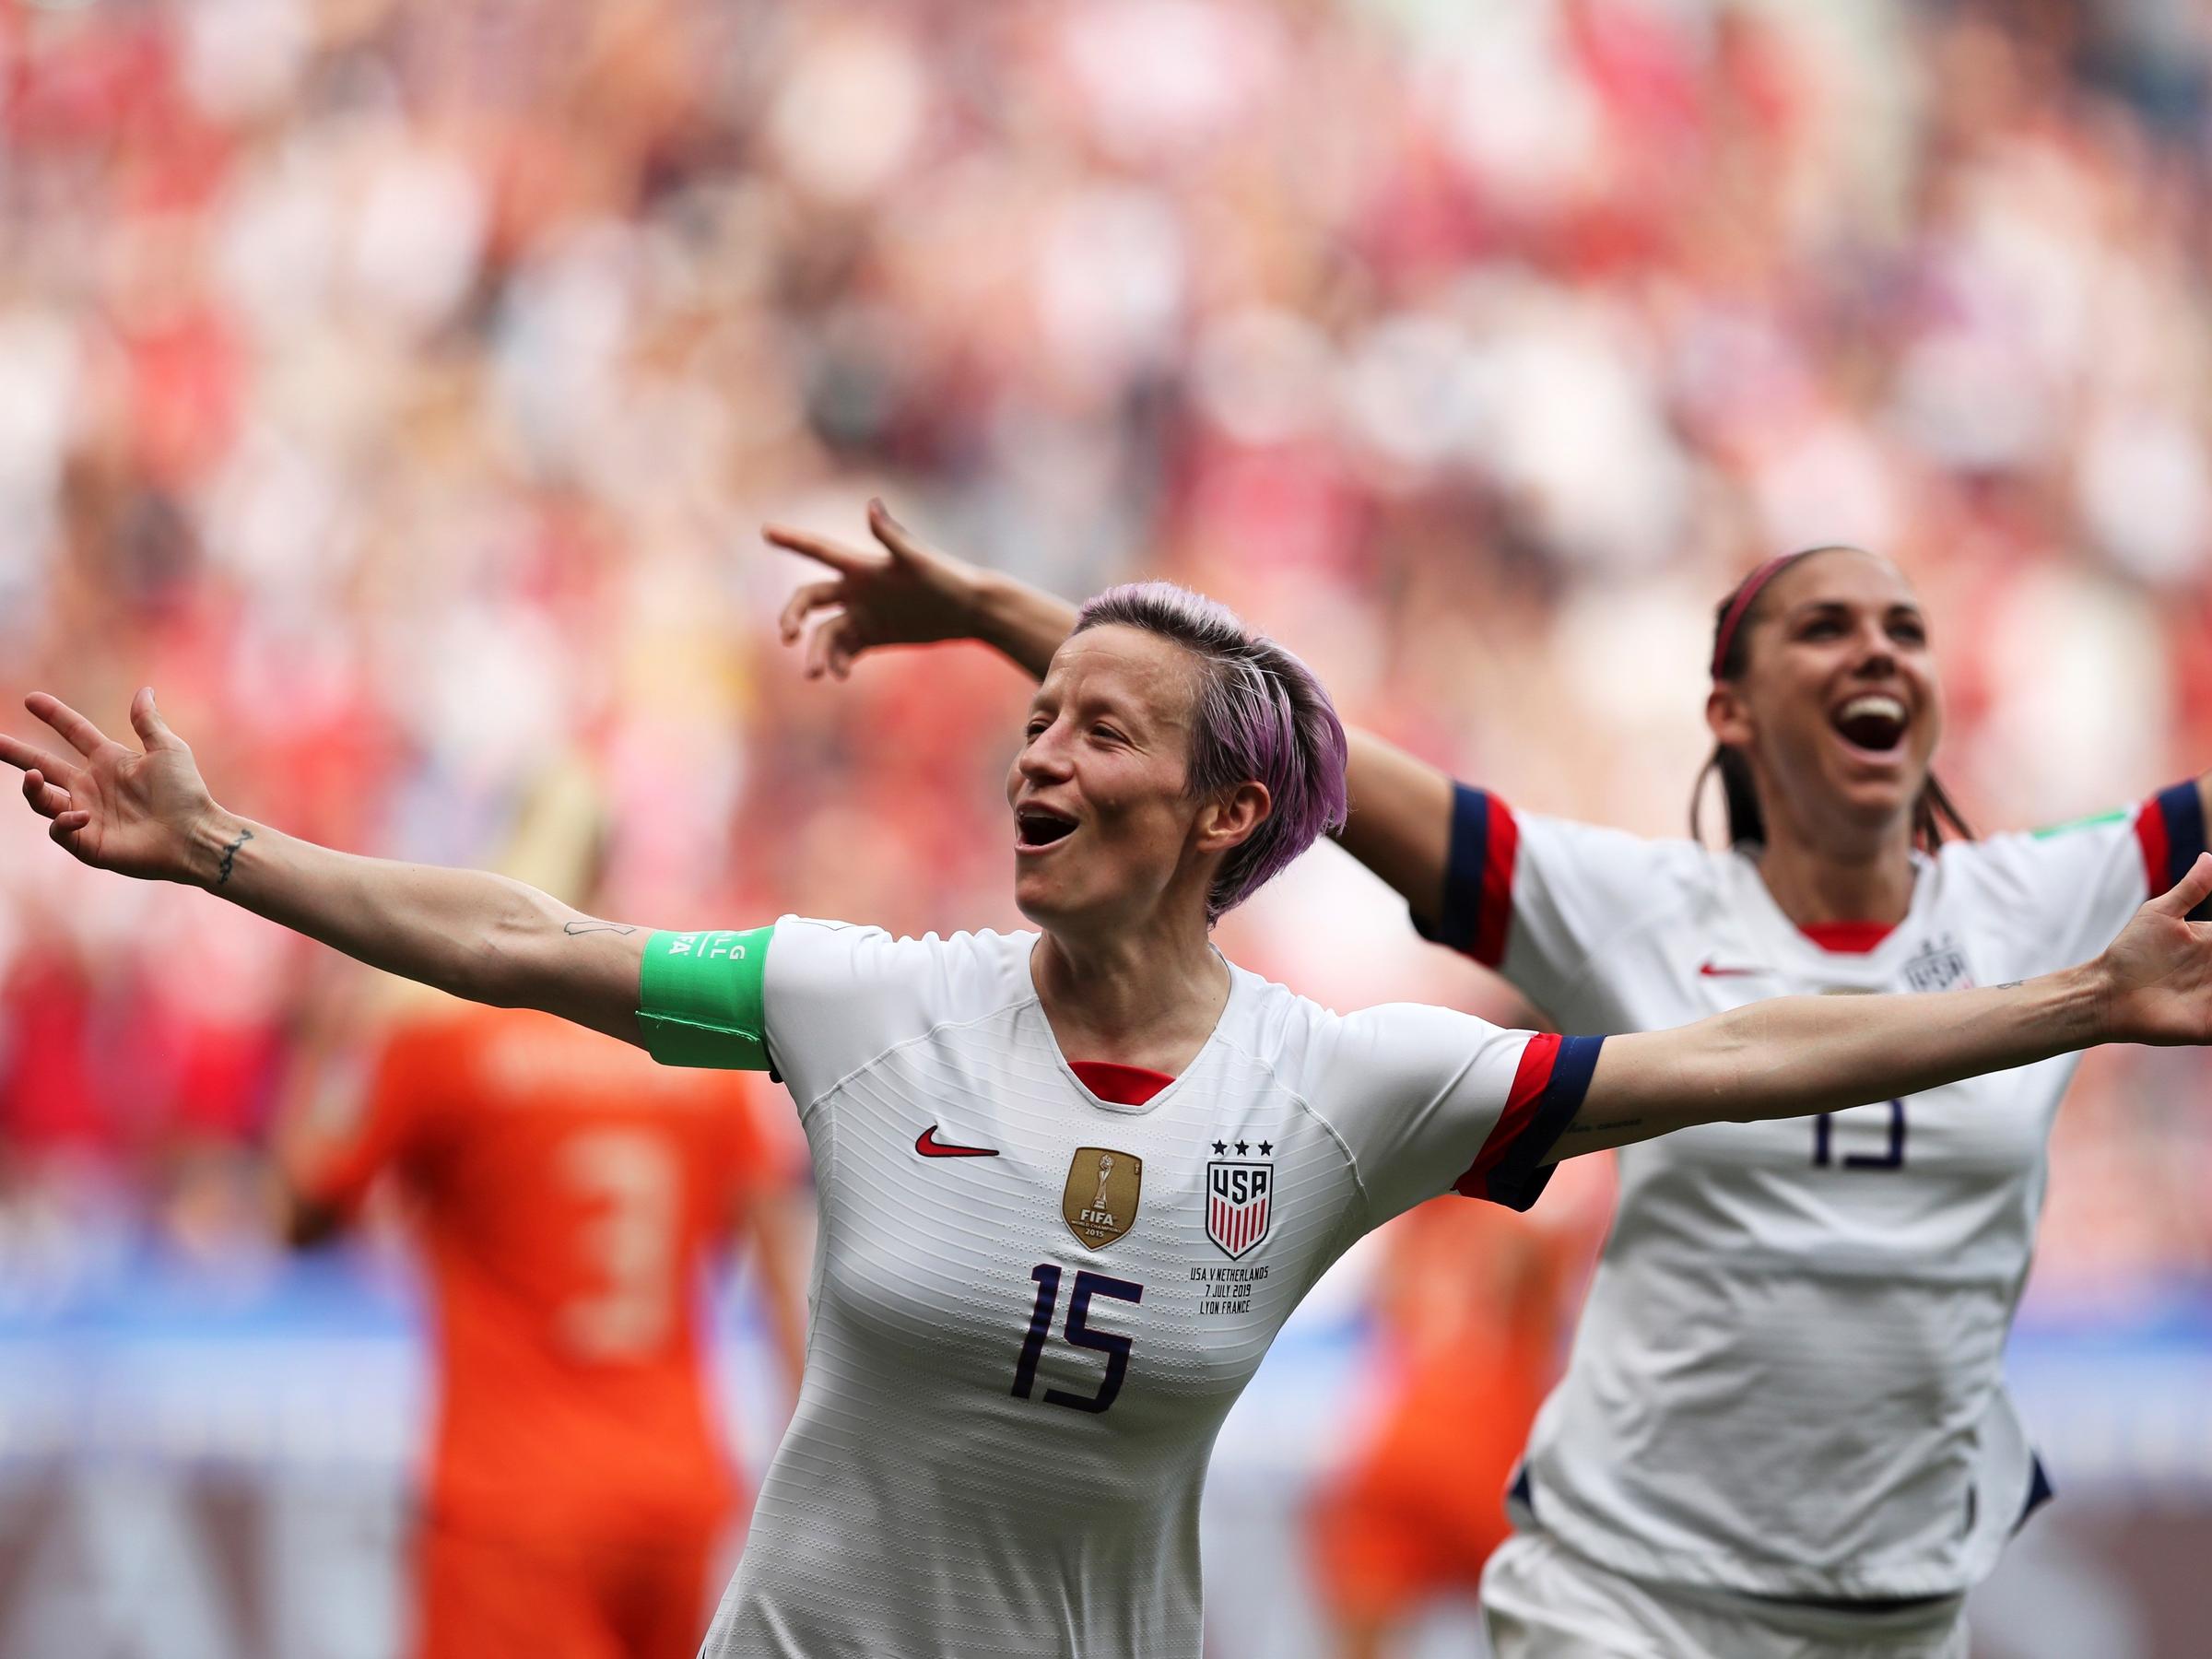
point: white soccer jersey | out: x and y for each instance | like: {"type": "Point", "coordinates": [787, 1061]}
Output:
{"type": "Point", "coordinates": [1787, 1377]}
{"type": "Point", "coordinates": [1032, 1308]}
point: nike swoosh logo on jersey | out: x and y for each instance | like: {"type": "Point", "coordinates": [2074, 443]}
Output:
{"type": "Point", "coordinates": [1712, 970]}
{"type": "Point", "coordinates": [929, 1145]}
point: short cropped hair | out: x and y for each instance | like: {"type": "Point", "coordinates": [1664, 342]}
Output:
{"type": "Point", "coordinates": [1262, 717]}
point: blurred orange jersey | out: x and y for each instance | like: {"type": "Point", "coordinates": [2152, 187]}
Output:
{"type": "Point", "coordinates": [568, 1190]}
{"type": "Point", "coordinates": [1471, 1302]}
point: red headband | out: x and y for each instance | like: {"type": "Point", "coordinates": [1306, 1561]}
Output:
{"type": "Point", "coordinates": [1732, 618]}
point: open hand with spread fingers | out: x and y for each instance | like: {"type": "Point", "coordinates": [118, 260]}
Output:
{"type": "Point", "coordinates": [145, 811]}
{"type": "Point", "coordinates": [114, 806]}
{"type": "Point", "coordinates": [902, 592]}
{"type": "Point", "coordinates": [2156, 978]}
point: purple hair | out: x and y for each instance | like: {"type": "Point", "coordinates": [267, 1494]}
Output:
{"type": "Point", "coordinates": [1262, 717]}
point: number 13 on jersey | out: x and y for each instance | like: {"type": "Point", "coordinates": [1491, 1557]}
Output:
{"type": "Point", "coordinates": [1893, 1158]}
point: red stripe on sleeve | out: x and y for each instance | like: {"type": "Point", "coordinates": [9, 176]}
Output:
{"type": "Point", "coordinates": [1494, 917]}
{"type": "Point", "coordinates": [2150, 835]}
{"type": "Point", "coordinates": [1529, 1082]}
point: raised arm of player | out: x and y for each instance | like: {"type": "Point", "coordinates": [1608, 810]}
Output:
{"type": "Point", "coordinates": [905, 592]}
{"type": "Point", "coordinates": [1798, 1055]}
{"type": "Point", "coordinates": [146, 813]}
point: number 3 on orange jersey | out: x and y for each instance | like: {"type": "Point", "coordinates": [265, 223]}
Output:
{"type": "Point", "coordinates": [637, 1186]}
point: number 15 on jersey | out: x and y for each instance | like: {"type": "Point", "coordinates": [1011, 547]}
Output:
{"type": "Point", "coordinates": [1078, 1334]}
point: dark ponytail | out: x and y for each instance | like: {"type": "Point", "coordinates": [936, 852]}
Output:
{"type": "Point", "coordinates": [1933, 813]}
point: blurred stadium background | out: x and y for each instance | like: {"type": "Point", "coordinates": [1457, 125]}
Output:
{"type": "Point", "coordinates": [399, 384]}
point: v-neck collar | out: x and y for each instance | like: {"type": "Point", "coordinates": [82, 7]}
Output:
{"type": "Point", "coordinates": [1776, 936]}
{"type": "Point", "coordinates": [1236, 995]}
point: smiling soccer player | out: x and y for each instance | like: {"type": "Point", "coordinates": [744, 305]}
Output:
{"type": "Point", "coordinates": [1673, 1494]}
{"type": "Point", "coordinates": [1018, 1359]}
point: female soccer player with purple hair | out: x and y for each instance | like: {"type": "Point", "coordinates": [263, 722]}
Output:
{"type": "Point", "coordinates": [1072, 1180]}
{"type": "Point", "coordinates": [1783, 1428]}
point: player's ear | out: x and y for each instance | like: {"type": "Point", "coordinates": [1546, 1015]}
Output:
{"type": "Point", "coordinates": [1229, 819]}
{"type": "Point", "coordinates": [1725, 714]}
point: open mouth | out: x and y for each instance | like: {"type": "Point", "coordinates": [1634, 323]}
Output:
{"type": "Point", "coordinates": [1873, 720]}
{"type": "Point", "coordinates": [1036, 826]}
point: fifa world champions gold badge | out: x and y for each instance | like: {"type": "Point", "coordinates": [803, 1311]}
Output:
{"type": "Point", "coordinates": [1099, 1201]}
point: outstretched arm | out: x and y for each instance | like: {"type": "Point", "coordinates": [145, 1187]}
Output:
{"type": "Point", "coordinates": [904, 592]}
{"type": "Point", "coordinates": [1800, 1055]}
{"type": "Point", "coordinates": [146, 813]}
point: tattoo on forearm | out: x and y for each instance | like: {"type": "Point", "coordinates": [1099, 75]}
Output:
{"type": "Point", "coordinates": [222, 873]}
{"type": "Point", "coordinates": [2011, 984]}
{"type": "Point", "coordinates": [574, 928]}
{"type": "Point", "coordinates": [1603, 1128]}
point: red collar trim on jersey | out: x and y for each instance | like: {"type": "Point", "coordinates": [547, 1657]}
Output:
{"type": "Point", "coordinates": [1119, 1085]}
{"type": "Point", "coordinates": [1855, 938]}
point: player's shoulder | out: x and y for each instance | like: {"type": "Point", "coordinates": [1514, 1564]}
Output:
{"type": "Point", "coordinates": [1266, 1018]}
{"type": "Point", "coordinates": [1315, 1049]}
{"type": "Point", "coordinates": [940, 977]}
{"type": "Point", "coordinates": [2015, 866]}
{"type": "Point", "coordinates": [838, 996]}
{"type": "Point", "coordinates": [1989, 868]}
{"type": "Point", "coordinates": [1603, 858]}
{"type": "Point", "coordinates": [982, 949]}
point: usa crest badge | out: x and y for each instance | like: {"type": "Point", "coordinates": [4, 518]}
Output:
{"type": "Point", "coordinates": [1939, 965]}
{"type": "Point", "coordinates": [1099, 1202]}
{"type": "Point", "coordinates": [1240, 1205]}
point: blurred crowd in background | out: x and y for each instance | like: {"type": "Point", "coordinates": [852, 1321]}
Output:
{"type": "Point", "coordinates": [398, 386]}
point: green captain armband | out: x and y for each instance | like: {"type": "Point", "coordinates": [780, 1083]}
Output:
{"type": "Point", "coordinates": [700, 999]}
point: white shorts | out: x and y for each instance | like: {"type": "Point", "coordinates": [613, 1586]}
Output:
{"type": "Point", "coordinates": [1540, 1601]}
